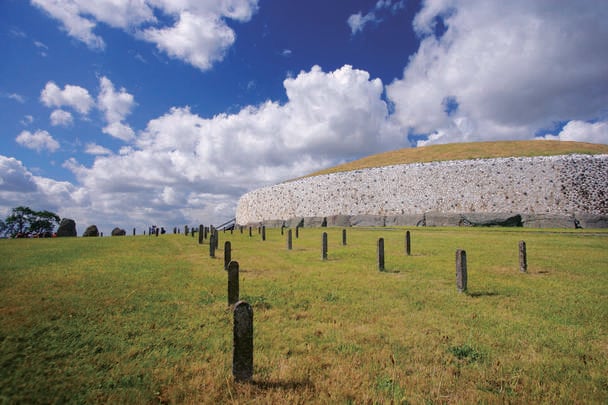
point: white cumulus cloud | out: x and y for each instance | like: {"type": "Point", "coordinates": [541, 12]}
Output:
{"type": "Point", "coordinates": [38, 141]}
{"type": "Point", "coordinates": [580, 131]}
{"type": "Point", "coordinates": [199, 36]}
{"type": "Point", "coordinates": [72, 96]}
{"type": "Point", "coordinates": [115, 105]}
{"type": "Point", "coordinates": [61, 117]}
{"type": "Point", "coordinates": [503, 70]}
{"type": "Point", "coordinates": [183, 165]}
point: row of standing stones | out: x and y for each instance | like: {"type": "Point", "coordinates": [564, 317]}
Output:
{"type": "Point", "coordinates": [242, 353]}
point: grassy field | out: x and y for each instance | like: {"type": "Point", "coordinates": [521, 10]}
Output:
{"type": "Point", "coordinates": [145, 319]}
{"type": "Point", "coordinates": [470, 150]}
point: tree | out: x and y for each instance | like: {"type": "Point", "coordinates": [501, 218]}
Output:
{"type": "Point", "coordinates": [24, 221]}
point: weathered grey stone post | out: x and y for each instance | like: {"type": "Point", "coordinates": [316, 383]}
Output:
{"type": "Point", "coordinates": [381, 254]}
{"type": "Point", "coordinates": [263, 233]}
{"type": "Point", "coordinates": [324, 246]}
{"type": "Point", "coordinates": [185, 230]}
{"type": "Point", "coordinates": [227, 254]}
{"type": "Point", "coordinates": [461, 270]}
{"type": "Point", "coordinates": [289, 241]}
{"type": "Point", "coordinates": [297, 232]}
{"type": "Point", "coordinates": [408, 243]}
{"type": "Point", "coordinates": [201, 234]}
{"type": "Point", "coordinates": [523, 258]}
{"type": "Point", "coordinates": [282, 230]}
{"type": "Point", "coordinates": [133, 231]}
{"type": "Point", "coordinates": [343, 237]}
{"type": "Point", "coordinates": [157, 231]}
{"type": "Point", "coordinates": [212, 245]}
{"type": "Point", "coordinates": [250, 232]}
{"type": "Point", "coordinates": [242, 353]}
{"type": "Point", "coordinates": [233, 282]}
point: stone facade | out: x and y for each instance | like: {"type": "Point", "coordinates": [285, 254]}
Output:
{"type": "Point", "coordinates": [553, 191]}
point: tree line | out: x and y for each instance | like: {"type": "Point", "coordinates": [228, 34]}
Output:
{"type": "Point", "coordinates": [24, 222]}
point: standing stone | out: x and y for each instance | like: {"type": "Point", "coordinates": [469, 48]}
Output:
{"type": "Point", "coordinates": [408, 243]}
{"type": "Point", "coordinates": [233, 282]}
{"type": "Point", "coordinates": [263, 233]}
{"type": "Point", "coordinates": [343, 237]}
{"type": "Point", "coordinates": [523, 258]}
{"type": "Point", "coordinates": [216, 238]}
{"type": "Point", "coordinates": [297, 232]}
{"type": "Point", "coordinates": [212, 245]}
{"type": "Point", "coordinates": [201, 234]}
{"type": "Point", "coordinates": [324, 246]}
{"type": "Point", "coordinates": [242, 354]}
{"type": "Point", "coordinates": [157, 231]}
{"type": "Point", "coordinates": [282, 230]}
{"type": "Point", "coordinates": [250, 232]}
{"type": "Point", "coordinates": [67, 227]}
{"type": "Point", "coordinates": [227, 254]}
{"type": "Point", "coordinates": [185, 230]}
{"type": "Point", "coordinates": [289, 241]}
{"type": "Point", "coordinates": [381, 254]}
{"type": "Point", "coordinates": [91, 231]}
{"type": "Point", "coordinates": [461, 270]}
{"type": "Point", "coordinates": [118, 232]}
{"type": "Point", "coordinates": [133, 231]}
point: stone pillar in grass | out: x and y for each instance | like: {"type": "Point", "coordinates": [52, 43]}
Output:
{"type": "Point", "coordinates": [227, 254]}
{"type": "Point", "coordinates": [212, 245]}
{"type": "Point", "coordinates": [216, 235]}
{"type": "Point", "coordinates": [380, 251]}
{"type": "Point", "coordinates": [133, 231]}
{"type": "Point", "coordinates": [250, 232]}
{"type": "Point", "coordinates": [343, 237]}
{"type": "Point", "coordinates": [289, 240]}
{"type": "Point", "coordinates": [408, 243]}
{"type": "Point", "coordinates": [157, 231]}
{"type": "Point", "coordinates": [324, 246]}
{"type": "Point", "coordinates": [523, 258]}
{"type": "Point", "coordinates": [233, 282]}
{"type": "Point", "coordinates": [263, 233]}
{"type": "Point", "coordinates": [186, 230]}
{"type": "Point", "coordinates": [461, 270]}
{"type": "Point", "coordinates": [297, 232]}
{"type": "Point", "coordinates": [201, 234]}
{"type": "Point", "coordinates": [242, 354]}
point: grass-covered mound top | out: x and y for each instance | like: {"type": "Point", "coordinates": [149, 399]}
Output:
{"type": "Point", "coordinates": [465, 151]}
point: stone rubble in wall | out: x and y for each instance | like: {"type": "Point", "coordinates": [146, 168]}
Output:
{"type": "Point", "coordinates": [551, 185]}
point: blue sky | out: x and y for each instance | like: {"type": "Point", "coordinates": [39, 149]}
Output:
{"type": "Point", "coordinates": [125, 113]}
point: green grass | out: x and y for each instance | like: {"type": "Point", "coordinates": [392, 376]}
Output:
{"type": "Point", "coordinates": [465, 151]}
{"type": "Point", "coordinates": [145, 320]}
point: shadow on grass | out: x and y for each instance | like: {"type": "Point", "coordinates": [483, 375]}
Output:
{"type": "Point", "coordinates": [283, 385]}
{"type": "Point", "coordinates": [478, 294]}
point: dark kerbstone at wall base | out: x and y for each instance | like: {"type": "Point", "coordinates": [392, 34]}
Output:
{"type": "Point", "coordinates": [592, 221]}
{"type": "Point", "coordinates": [548, 221]}
{"type": "Point", "coordinates": [367, 220]}
{"type": "Point", "coordinates": [67, 227]}
{"type": "Point", "coordinates": [339, 220]}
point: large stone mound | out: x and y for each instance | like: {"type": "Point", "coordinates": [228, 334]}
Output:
{"type": "Point", "coordinates": [565, 191]}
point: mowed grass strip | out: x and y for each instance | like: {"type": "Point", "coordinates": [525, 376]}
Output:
{"type": "Point", "coordinates": [145, 319]}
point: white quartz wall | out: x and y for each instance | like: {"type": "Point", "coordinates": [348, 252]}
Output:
{"type": "Point", "coordinates": [563, 185]}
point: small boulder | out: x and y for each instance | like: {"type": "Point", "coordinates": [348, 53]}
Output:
{"type": "Point", "coordinates": [118, 232]}
{"type": "Point", "coordinates": [67, 227]}
{"type": "Point", "coordinates": [91, 231]}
